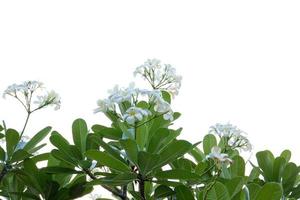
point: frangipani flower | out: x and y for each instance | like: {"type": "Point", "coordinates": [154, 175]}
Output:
{"type": "Point", "coordinates": [218, 156]}
{"type": "Point", "coordinates": [160, 76]}
{"type": "Point", "coordinates": [134, 114]}
{"type": "Point", "coordinates": [26, 92]}
{"type": "Point", "coordinates": [49, 99]}
{"type": "Point", "coordinates": [235, 137]}
{"type": "Point", "coordinates": [105, 105]}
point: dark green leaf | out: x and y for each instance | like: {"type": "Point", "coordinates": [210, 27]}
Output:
{"type": "Point", "coordinates": [146, 162]}
{"type": "Point", "coordinates": [19, 155]}
{"type": "Point", "coordinates": [183, 193]}
{"type": "Point", "coordinates": [180, 174]}
{"type": "Point", "coordinates": [163, 191]}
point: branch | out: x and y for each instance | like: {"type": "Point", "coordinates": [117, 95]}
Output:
{"type": "Point", "coordinates": [114, 191]}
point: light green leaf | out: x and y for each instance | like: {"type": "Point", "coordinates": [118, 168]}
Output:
{"type": "Point", "coordinates": [131, 149]}
{"type": "Point", "coordinates": [108, 160]}
{"type": "Point", "coordinates": [12, 139]}
{"type": "Point", "coordinates": [174, 150]}
{"type": "Point", "coordinates": [79, 132]}
{"type": "Point", "coordinates": [37, 138]}
{"type": "Point", "coordinates": [218, 192]}
{"type": "Point", "coordinates": [265, 161]}
{"type": "Point", "coordinates": [237, 168]}
{"type": "Point", "coordinates": [209, 141]}
{"type": "Point", "coordinates": [286, 154]}
{"type": "Point", "coordinates": [270, 191]}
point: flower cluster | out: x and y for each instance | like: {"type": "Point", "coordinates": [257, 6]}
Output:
{"type": "Point", "coordinates": [131, 96]}
{"type": "Point", "coordinates": [160, 76]}
{"type": "Point", "coordinates": [26, 92]}
{"type": "Point", "coordinates": [235, 137]}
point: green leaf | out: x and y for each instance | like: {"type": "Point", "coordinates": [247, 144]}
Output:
{"type": "Point", "coordinates": [278, 167]}
{"type": "Point", "coordinates": [110, 133]}
{"type": "Point", "coordinates": [286, 154]}
{"type": "Point", "coordinates": [131, 149]}
{"type": "Point", "coordinates": [265, 161]}
{"type": "Point", "coordinates": [142, 135]}
{"type": "Point", "coordinates": [197, 154]}
{"type": "Point", "coordinates": [69, 154]}
{"type": "Point", "coordinates": [112, 151]}
{"type": "Point", "coordinates": [12, 139]}
{"type": "Point", "coordinates": [146, 162]}
{"type": "Point", "coordinates": [80, 131]}
{"type": "Point", "coordinates": [115, 180]}
{"type": "Point", "coordinates": [108, 160]}
{"type": "Point", "coordinates": [174, 150]}
{"type": "Point", "coordinates": [163, 191]}
{"type": "Point", "coordinates": [289, 176]}
{"type": "Point", "coordinates": [209, 141]}
{"type": "Point", "coordinates": [183, 193]}
{"type": "Point", "coordinates": [237, 168]}
{"type": "Point", "coordinates": [270, 191]}
{"type": "Point", "coordinates": [19, 155]}
{"type": "Point", "coordinates": [2, 154]}
{"type": "Point", "coordinates": [254, 174]}
{"type": "Point", "coordinates": [60, 170]}
{"type": "Point", "coordinates": [218, 192]}
{"type": "Point", "coordinates": [179, 174]}
{"type": "Point", "coordinates": [37, 138]}
{"type": "Point", "coordinates": [59, 155]}
{"type": "Point", "coordinates": [234, 186]}
{"type": "Point", "coordinates": [158, 140]}
{"type": "Point", "coordinates": [253, 190]}
{"type": "Point", "coordinates": [166, 96]}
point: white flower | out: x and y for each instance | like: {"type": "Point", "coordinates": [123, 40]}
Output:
{"type": "Point", "coordinates": [26, 92]}
{"type": "Point", "coordinates": [235, 137]}
{"type": "Point", "coordinates": [49, 99]}
{"type": "Point", "coordinates": [168, 116]}
{"type": "Point", "coordinates": [134, 114]}
{"type": "Point", "coordinates": [162, 77]}
{"type": "Point", "coordinates": [218, 156]}
{"type": "Point", "coordinates": [119, 95]}
{"type": "Point", "coordinates": [104, 106]}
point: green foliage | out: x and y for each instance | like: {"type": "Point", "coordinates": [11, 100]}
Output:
{"type": "Point", "coordinates": [143, 158]}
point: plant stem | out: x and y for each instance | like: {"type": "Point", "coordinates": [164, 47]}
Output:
{"type": "Point", "coordinates": [142, 188]}
{"type": "Point", "coordinates": [114, 191]}
{"type": "Point", "coordinates": [26, 122]}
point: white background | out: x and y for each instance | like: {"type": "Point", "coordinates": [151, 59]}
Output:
{"type": "Point", "coordinates": [239, 61]}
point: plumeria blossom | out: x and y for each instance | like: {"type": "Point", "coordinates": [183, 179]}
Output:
{"type": "Point", "coordinates": [235, 137]}
{"type": "Point", "coordinates": [26, 92]}
{"type": "Point", "coordinates": [217, 156]}
{"type": "Point", "coordinates": [135, 114]}
{"type": "Point", "coordinates": [49, 99]}
{"type": "Point", "coordinates": [160, 76]}
{"type": "Point", "coordinates": [105, 105]}
{"type": "Point", "coordinates": [123, 101]}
